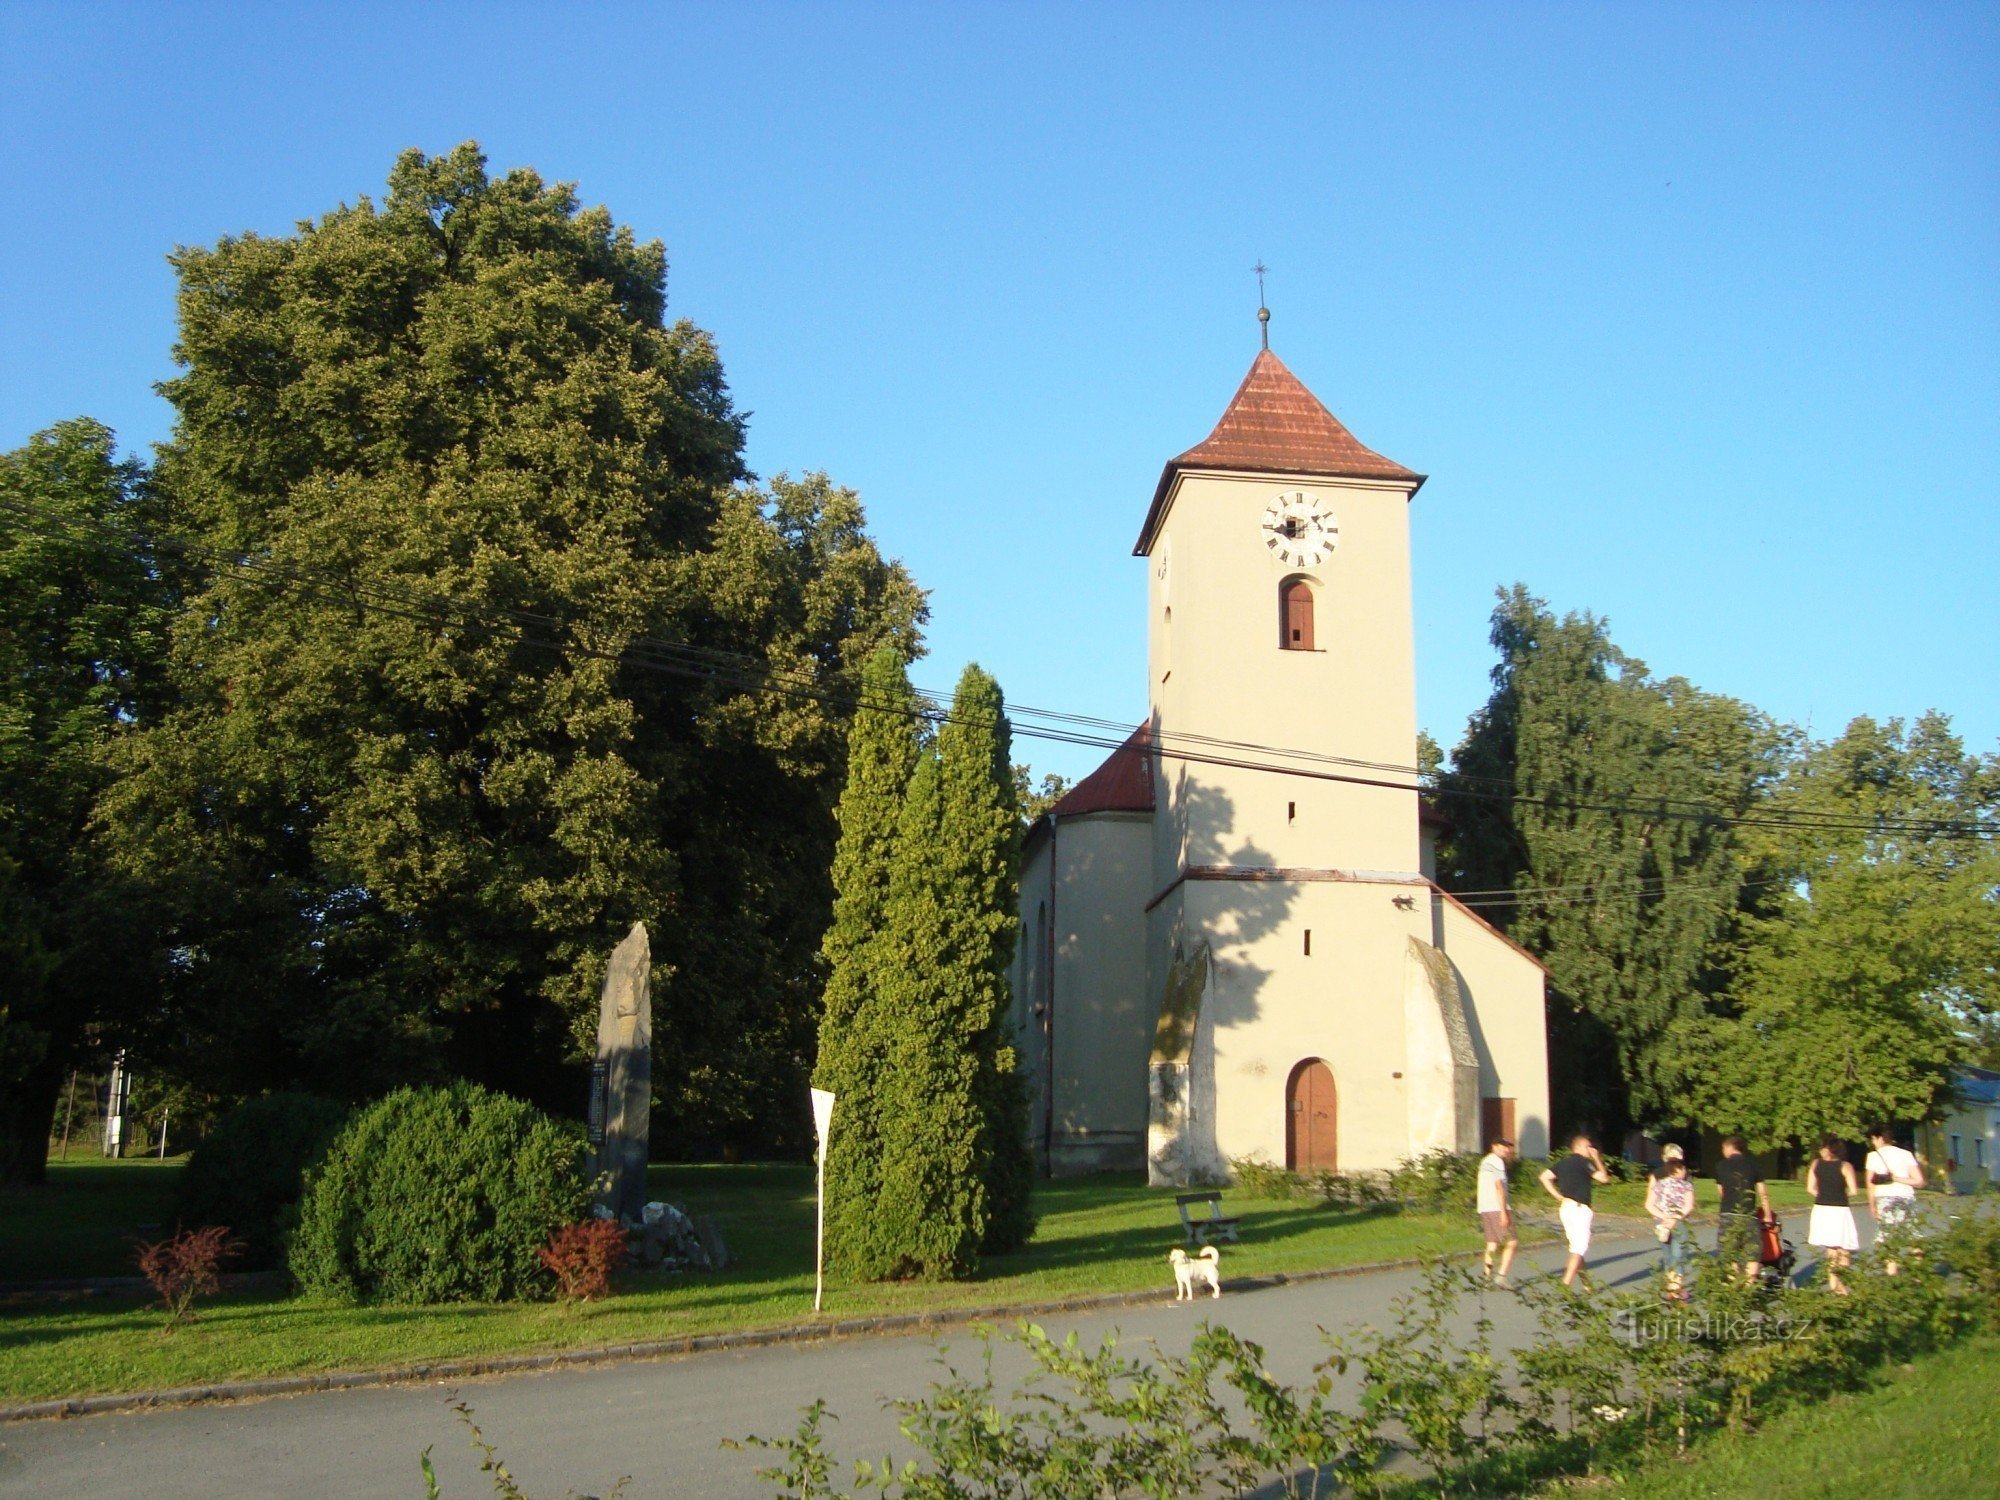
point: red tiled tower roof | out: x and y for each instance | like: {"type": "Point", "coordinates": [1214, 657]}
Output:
{"type": "Point", "coordinates": [1276, 426]}
{"type": "Point", "coordinates": [1124, 783]}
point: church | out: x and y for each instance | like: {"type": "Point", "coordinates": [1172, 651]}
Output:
{"type": "Point", "coordinates": [1232, 941]}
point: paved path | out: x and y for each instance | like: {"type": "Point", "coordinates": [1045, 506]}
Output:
{"type": "Point", "coordinates": [660, 1421]}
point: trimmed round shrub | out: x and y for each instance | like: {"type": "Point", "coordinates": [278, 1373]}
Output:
{"type": "Point", "coordinates": [439, 1195]}
{"type": "Point", "coordinates": [249, 1171]}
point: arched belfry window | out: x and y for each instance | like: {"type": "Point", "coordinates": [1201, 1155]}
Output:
{"type": "Point", "coordinates": [1295, 615]}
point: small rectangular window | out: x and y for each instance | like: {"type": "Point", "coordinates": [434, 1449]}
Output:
{"type": "Point", "coordinates": [1954, 1148]}
{"type": "Point", "coordinates": [1309, 942]}
{"type": "Point", "coordinates": [1291, 812]}
{"type": "Point", "coordinates": [1978, 1152]}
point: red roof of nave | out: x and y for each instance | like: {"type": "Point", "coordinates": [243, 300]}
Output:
{"type": "Point", "coordinates": [1274, 425]}
{"type": "Point", "coordinates": [1124, 783]}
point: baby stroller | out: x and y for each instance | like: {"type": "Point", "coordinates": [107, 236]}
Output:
{"type": "Point", "coordinates": [1775, 1255]}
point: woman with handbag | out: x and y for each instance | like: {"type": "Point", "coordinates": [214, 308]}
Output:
{"type": "Point", "coordinates": [1894, 1175]}
{"type": "Point", "coordinates": [1670, 1199]}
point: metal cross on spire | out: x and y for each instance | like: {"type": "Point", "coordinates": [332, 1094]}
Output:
{"type": "Point", "coordinates": [1263, 312]}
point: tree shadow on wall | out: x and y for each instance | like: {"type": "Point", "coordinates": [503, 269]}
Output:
{"type": "Point", "coordinates": [1234, 917]}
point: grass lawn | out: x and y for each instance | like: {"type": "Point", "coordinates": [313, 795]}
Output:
{"type": "Point", "coordinates": [85, 1222]}
{"type": "Point", "coordinates": [1098, 1234]}
{"type": "Point", "coordinates": [1630, 1197]}
{"type": "Point", "coordinates": [1931, 1429]}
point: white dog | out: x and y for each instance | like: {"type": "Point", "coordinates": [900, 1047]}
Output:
{"type": "Point", "coordinates": [1190, 1273]}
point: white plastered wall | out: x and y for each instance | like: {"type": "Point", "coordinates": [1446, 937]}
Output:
{"type": "Point", "coordinates": [1506, 1011]}
{"type": "Point", "coordinates": [1272, 1005]}
{"type": "Point", "coordinates": [1102, 1012]}
{"type": "Point", "coordinates": [1216, 669]}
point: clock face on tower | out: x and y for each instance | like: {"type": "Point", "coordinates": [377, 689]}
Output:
{"type": "Point", "coordinates": [1299, 529]}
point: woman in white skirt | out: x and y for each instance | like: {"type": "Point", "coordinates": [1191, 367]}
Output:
{"type": "Point", "coordinates": [1831, 1181]}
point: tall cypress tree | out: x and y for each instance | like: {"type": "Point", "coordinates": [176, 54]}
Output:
{"type": "Point", "coordinates": [855, 1029]}
{"type": "Point", "coordinates": [980, 848]}
{"type": "Point", "coordinates": [956, 1172]}
{"type": "Point", "coordinates": [932, 1211]}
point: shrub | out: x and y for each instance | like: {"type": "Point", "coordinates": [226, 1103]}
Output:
{"type": "Point", "coordinates": [1348, 1189]}
{"type": "Point", "coordinates": [1256, 1178]}
{"type": "Point", "coordinates": [438, 1195]}
{"type": "Point", "coordinates": [249, 1171]}
{"type": "Point", "coordinates": [186, 1265]}
{"type": "Point", "coordinates": [582, 1257]}
{"type": "Point", "coordinates": [1971, 1249]}
{"type": "Point", "coordinates": [1435, 1180]}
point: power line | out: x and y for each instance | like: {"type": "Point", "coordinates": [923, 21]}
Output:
{"type": "Point", "coordinates": [682, 659]}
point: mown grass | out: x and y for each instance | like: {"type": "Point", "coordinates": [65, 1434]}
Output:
{"type": "Point", "coordinates": [1930, 1428]}
{"type": "Point", "coordinates": [1629, 1198]}
{"type": "Point", "coordinates": [87, 1220]}
{"type": "Point", "coordinates": [1098, 1234]}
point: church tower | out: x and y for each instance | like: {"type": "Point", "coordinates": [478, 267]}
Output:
{"type": "Point", "coordinates": [1231, 944]}
{"type": "Point", "coordinates": [1279, 618]}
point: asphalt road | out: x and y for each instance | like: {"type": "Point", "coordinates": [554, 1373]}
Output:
{"type": "Point", "coordinates": [660, 1422]}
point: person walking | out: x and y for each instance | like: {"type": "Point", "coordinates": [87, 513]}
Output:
{"type": "Point", "coordinates": [1570, 1182]}
{"type": "Point", "coordinates": [1745, 1202]}
{"type": "Point", "coordinates": [1830, 1179]}
{"type": "Point", "coordinates": [1670, 1199]}
{"type": "Point", "coordinates": [1496, 1210]}
{"type": "Point", "coordinates": [1894, 1175]}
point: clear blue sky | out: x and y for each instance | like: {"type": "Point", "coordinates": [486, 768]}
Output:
{"type": "Point", "coordinates": [1691, 312]}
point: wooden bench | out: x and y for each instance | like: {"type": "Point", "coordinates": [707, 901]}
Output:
{"type": "Point", "coordinates": [1214, 1227]}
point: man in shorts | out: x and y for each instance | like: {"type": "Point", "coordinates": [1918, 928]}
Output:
{"type": "Point", "coordinates": [1570, 1182]}
{"type": "Point", "coordinates": [1496, 1210]}
{"type": "Point", "coordinates": [1744, 1199]}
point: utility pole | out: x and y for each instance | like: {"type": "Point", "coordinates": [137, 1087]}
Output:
{"type": "Point", "coordinates": [69, 1116]}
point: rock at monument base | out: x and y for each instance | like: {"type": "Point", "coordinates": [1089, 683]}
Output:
{"type": "Point", "coordinates": [672, 1241]}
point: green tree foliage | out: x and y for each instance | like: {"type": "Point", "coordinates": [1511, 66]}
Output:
{"type": "Point", "coordinates": [931, 1215]}
{"type": "Point", "coordinates": [956, 1171]}
{"type": "Point", "coordinates": [979, 850]}
{"type": "Point", "coordinates": [1878, 945]}
{"type": "Point", "coordinates": [249, 1172]}
{"type": "Point", "coordinates": [83, 610]}
{"type": "Point", "coordinates": [856, 1029]}
{"type": "Point", "coordinates": [453, 715]}
{"type": "Point", "coordinates": [1628, 908]}
{"type": "Point", "coordinates": [439, 1195]}
{"type": "Point", "coordinates": [1034, 799]}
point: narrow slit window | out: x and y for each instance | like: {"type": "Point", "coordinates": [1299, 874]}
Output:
{"type": "Point", "coordinates": [1295, 615]}
{"type": "Point", "coordinates": [1291, 812]}
{"type": "Point", "coordinates": [1309, 942]}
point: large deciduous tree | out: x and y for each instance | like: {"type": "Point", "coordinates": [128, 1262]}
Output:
{"type": "Point", "coordinates": [1881, 942]}
{"type": "Point", "coordinates": [1581, 788]}
{"type": "Point", "coordinates": [464, 688]}
{"type": "Point", "coordinates": [83, 609]}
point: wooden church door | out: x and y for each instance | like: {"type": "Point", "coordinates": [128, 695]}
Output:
{"type": "Point", "coordinates": [1312, 1118]}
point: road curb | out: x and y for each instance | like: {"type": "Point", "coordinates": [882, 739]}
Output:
{"type": "Point", "coordinates": [697, 1343]}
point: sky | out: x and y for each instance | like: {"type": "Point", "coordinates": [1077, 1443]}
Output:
{"type": "Point", "coordinates": [1691, 312]}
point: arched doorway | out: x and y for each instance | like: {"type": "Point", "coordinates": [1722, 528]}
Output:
{"type": "Point", "coordinates": [1312, 1118]}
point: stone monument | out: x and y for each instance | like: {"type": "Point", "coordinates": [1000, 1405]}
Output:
{"type": "Point", "coordinates": [621, 1080]}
